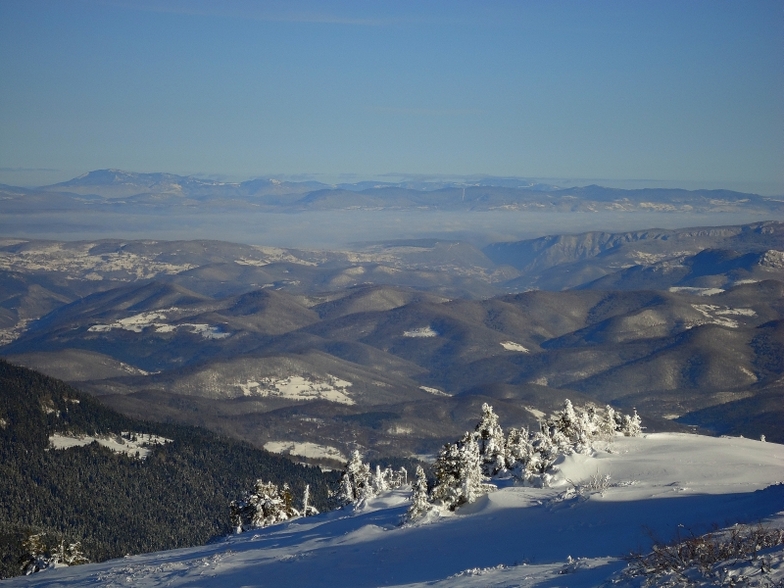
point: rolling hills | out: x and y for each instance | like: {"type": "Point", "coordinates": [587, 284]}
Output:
{"type": "Point", "coordinates": [684, 325]}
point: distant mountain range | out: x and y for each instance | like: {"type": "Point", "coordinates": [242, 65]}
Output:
{"type": "Point", "coordinates": [392, 348]}
{"type": "Point", "coordinates": [128, 191]}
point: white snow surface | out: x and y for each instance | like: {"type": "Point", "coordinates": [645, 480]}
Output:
{"type": "Point", "coordinates": [305, 449]}
{"type": "Point", "coordinates": [134, 444]}
{"type": "Point", "coordinates": [302, 388]}
{"type": "Point", "coordinates": [138, 322]}
{"type": "Point", "coordinates": [717, 315]}
{"type": "Point", "coordinates": [434, 391]}
{"type": "Point", "coordinates": [512, 346]}
{"type": "Point", "coordinates": [516, 536]}
{"type": "Point", "coordinates": [422, 332]}
{"type": "Point", "coordinates": [696, 291]}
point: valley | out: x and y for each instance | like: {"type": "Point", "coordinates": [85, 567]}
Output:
{"type": "Point", "coordinates": [391, 347]}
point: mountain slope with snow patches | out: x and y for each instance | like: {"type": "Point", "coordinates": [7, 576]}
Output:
{"type": "Point", "coordinates": [564, 535]}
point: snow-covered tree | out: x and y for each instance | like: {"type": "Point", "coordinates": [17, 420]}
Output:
{"type": "Point", "coordinates": [69, 555]}
{"type": "Point", "coordinates": [38, 555]}
{"type": "Point", "coordinates": [271, 504]}
{"type": "Point", "coordinates": [395, 478]}
{"type": "Point", "coordinates": [265, 505]}
{"type": "Point", "coordinates": [307, 509]}
{"type": "Point", "coordinates": [492, 445]}
{"type": "Point", "coordinates": [241, 513]}
{"type": "Point", "coordinates": [472, 475]}
{"type": "Point", "coordinates": [548, 444]}
{"type": "Point", "coordinates": [459, 476]}
{"type": "Point", "coordinates": [572, 428]}
{"type": "Point", "coordinates": [381, 480]}
{"type": "Point", "coordinates": [419, 498]}
{"type": "Point", "coordinates": [462, 467]}
{"type": "Point", "coordinates": [519, 450]}
{"type": "Point", "coordinates": [356, 482]}
{"type": "Point", "coordinates": [447, 470]}
{"type": "Point", "coordinates": [630, 426]}
{"type": "Point", "coordinates": [608, 424]}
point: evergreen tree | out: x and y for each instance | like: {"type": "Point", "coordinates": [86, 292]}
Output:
{"type": "Point", "coordinates": [271, 505]}
{"type": "Point", "coordinates": [307, 509]}
{"type": "Point", "coordinates": [631, 426]}
{"type": "Point", "coordinates": [40, 554]}
{"type": "Point", "coordinates": [36, 555]}
{"type": "Point", "coordinates": [356, 483]}
{"type": "Point", "coordinates": [492, 445]}
{"type": "Point", "coordinates": [471, 471]}
{"type": "Point", "coordinates": [519, 450]}
{"type": "Point", "coordinates": [447, 471]}
{"type": "Point", "coordinates": [419, 499]}
{"type": "Point", "coordinates": [459, 477]}
{"type": "Point", "coordinates": [381, 480]}
{"type": "Point", "coordinates": [608, 422]}
{"type": "Point", "coordinates": [241, 514]}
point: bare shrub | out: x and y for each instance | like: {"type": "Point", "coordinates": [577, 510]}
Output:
{"type": "Point", "coordinates": [697, 559]}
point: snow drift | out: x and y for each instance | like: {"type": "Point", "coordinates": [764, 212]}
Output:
{"type": "Point", "coordinates": [601, 506]}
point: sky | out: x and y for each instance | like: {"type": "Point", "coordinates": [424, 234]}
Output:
{"type": "Point", "coordinates": [690, 93]}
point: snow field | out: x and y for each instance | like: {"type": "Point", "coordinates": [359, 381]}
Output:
{"type": "Point", "coordinates": [434, 391]}
{"type": "Point", "coordinates": [134, 444]}
{"type": "Point", "coordinates": [512, 346]}
{"type": "Point", "coordinates": [423, 332]}
{"type": "Point", "coordinates": [305, 449]}
{"type": "Point", "coordinates": [138, 322]}
{"type": "Point", "coordinates": [301, 388]}
{"type": "Point", "coordinates": [516, 536]}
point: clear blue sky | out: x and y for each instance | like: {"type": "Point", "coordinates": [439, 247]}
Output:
{"type": "Point", "coordinates": [686, 91]}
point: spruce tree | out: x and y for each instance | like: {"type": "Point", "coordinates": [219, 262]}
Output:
{"type": "Point", "coordinates": [356, 482]}
{"type": "Point", "coordinates": [492, 445]}
{"type": "Point", "coordinates": [419, 499]}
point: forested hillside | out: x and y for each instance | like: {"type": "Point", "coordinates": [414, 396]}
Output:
{"type": "Point", "coordinates": [118, 503]}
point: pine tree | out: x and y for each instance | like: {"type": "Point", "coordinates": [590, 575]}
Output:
{"type": "Point", "coordinates": [270, 504]}
{"type": "Point", "coordinates": [39, 556]}
{"type": "Point", "coordinates": [355, 484]}
{"type": "Point", "coordinates": [419, 499]}
{"type": "Point", "coordinates": [447, 471]}
{"type": "Point", "coordinates": [36, 555]}
{"type": "Point", "coordinates": [380, 480]}
{"type": "Point", "coordinates": [608, 422]}
{"type": "Point", "coordinates": [471, 474]}
{"type": "Point", "coordinates": [307, 509]}
{"type": "Point", "coordinates": [631, 426]}
{"type": "Point", "coordinates": [241, 513]}
{"type": "Point", "coordinates": [492, 445]}
{"type": "Point", "coordinates": [459, 477]}
{"type": "Point", "coordinates": [519, 450]}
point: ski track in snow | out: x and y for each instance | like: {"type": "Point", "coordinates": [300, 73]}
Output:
{"type": "Point", "coordinates": [516, 536]}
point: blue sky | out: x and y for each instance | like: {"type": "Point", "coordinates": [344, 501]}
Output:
{"type": "Point", "coordinates": [681, 91]}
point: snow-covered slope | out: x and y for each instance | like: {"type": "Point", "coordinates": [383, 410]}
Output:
{"type": "Point", "coordinates": [659, 484]}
